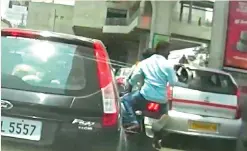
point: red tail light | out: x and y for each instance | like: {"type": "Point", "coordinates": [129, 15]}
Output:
{"type": "Point", "coordinates": [153, 107]}
{"type": "Point", "coordinates": [105, 76]}
{"type": "Point", "coordinates": [19, 33]}
{"type": "Point", "coordinates": [238, 111]}
{"type": "Point", "coordinates": [169, 95]}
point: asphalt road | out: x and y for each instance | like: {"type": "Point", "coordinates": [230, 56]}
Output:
{"type": "Point", "coordinates": [176, 143]}
{"type": "Point", "coordinates": [187, 143]}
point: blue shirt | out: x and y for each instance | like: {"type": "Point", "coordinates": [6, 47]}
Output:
{"type": "Point", "coordinates": [157, 72]}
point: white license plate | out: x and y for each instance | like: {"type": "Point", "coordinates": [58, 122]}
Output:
{"type": "Point", "coordinates": [21, 128]}
{"type": "Point", "coordinates": [149, 121]}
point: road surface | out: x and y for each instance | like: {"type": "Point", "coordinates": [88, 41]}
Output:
{"type": "Point", "coordinates": [177, 143]}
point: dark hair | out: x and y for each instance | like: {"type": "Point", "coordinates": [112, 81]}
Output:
{"type": "Point", "coordinates": [183, 60]}
{"type": "Point", "coordinates": [148, 53]}
{"type": "Point", "coordinates": [162, 47]}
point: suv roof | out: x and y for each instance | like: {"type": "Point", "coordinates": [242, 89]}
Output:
{"type": "Point", "coordinates": [50, 34]}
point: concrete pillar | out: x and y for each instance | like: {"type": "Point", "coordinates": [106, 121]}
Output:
{"type": "Point", "coordinates": [143, 43]}
{"type": "Point", "coordinates": [190, 12]}
{"type": "Point", "coordinates": [181, 12]}
{"type": "Point", "coordinates": [218, 36]}
{"type": "Point", "coordinates": [161, 18]}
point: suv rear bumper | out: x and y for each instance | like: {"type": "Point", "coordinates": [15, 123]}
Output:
{"type": "Point", "coordinates": [178, 122]}
{"type": "Point", "coordinates": [54, 131]}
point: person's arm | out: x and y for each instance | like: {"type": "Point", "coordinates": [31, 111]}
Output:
{"type": "Point", "coordinates": [128, 86]}
{"type": "Point", "coordinates": [136, 76]}
{"type": "Point", "coordinates": [172, 78]}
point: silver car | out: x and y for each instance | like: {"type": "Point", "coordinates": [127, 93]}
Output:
{"type": "Point", "coordinates": [207, 106]}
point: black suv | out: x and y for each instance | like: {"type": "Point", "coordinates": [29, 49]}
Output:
{"type": "Point", "coordinates": [57, 86]}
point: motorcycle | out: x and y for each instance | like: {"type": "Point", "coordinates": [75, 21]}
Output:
{"type": "Point", "coordinates": [141, 137]}
{"type": "Point", "coordinates": [144, 109]}
{"type": "Point", "coordinates": [147, 110]}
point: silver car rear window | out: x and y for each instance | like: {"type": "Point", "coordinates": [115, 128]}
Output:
{"type": "Point", "coordinates": [212, 82]}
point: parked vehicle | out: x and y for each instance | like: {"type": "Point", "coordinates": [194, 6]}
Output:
{"type": "Point", "coordinates": [150, 109]}
{"type": "Point", "coordinates": [58, 86]}
{"type": "Point", "coordinates": [208, 106]}
{"type": "Point", "coordinates": [142, 108]}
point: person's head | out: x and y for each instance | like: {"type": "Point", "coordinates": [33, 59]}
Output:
{"type": "Point", "coordinates": [183, 60]}
{"type": "Point", "coordinates": [148, 53]}
{"type": "Point", "coordinates": [162, 47]}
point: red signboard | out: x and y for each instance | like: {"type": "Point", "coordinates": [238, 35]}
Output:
{"type": "Point", "coordinates": [236, 42]}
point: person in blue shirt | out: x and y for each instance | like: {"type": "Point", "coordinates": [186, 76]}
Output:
{"type": "Point", "coordinates": [156, 72]}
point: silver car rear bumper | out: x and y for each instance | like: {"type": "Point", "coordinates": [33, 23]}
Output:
{"type": "Point", "coordinates": [178, 122]}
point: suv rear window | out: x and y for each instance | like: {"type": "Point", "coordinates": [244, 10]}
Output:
{"type": "Point", "coordinates": [212, 82]}
{"type": "Point", "coordinates": [47, 66]}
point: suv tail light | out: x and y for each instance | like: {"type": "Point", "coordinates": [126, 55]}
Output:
{"type": "Point", "coordinates": [19, 33]}
{"type": "Point", "coordinates": [169, 90]}
{"type": "Point", "coordinates": [153, 107]}
{"type": "Point", "coordinates": [238, 111]}
{"type": "Point", "coordinates": [110, 117]}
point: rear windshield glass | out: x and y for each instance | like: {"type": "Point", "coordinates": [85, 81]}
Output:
{"type": "Point", "coordinates": [46, 66]}
{"type": "Point", "coordinates": [212, 82]}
